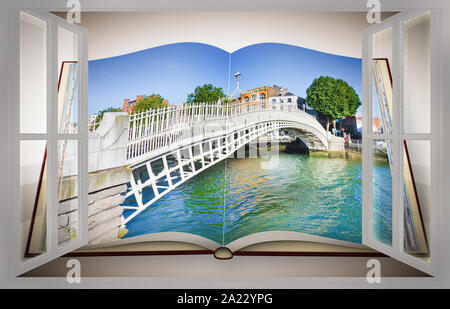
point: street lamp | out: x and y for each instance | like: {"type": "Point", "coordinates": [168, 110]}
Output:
{"type": "Point", "coordinates": [237, 76]}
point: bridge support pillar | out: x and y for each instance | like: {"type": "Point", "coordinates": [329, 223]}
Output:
{"type": "Point", "coordinates": [336, 144]}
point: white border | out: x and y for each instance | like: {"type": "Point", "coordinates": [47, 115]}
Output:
{"type": "Point", "coordinates": [442, 214]}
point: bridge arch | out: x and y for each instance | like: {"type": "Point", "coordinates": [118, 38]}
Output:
{"type": "Point", "coordinates": [169, 146]}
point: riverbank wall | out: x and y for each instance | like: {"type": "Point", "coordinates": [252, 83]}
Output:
{"type": "Point", "coordinates": [107, 183]}
{"type": "Point", "coordinates": [351, 151]}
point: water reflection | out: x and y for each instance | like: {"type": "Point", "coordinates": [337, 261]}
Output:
{"type": "Point", "coordinates": [235, 198]}
{"type": "Point", "coordinates": [320, 196]}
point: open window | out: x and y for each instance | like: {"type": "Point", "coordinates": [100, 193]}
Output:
{"type": "Point", "coordinates": [51, 138]}
{"type": "Point", "coordinates": [399, 94]}
{"type": "Point", "coordinates": [50, 147]}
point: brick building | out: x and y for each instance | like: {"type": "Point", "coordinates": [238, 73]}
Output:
{"type": "Point", "coordinates": [129, 105]}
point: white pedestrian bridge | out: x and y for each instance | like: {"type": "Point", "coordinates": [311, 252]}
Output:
{"type": "Point", "coordinates": [168, 146]}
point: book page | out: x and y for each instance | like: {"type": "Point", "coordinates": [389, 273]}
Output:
{"type": "Point", "coordinates": [154, 174]}
{"type": "Point", "coordinates": [304, 174]}
{"type": "Point", "coordinates": [190, 241]}
{"type": "Point", "coordinates": [264, 142]}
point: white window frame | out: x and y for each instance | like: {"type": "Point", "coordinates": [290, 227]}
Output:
{"type": "Point", "coordinates": [397, 136]}
{"type": "Point", "coordinates": [53, 249]}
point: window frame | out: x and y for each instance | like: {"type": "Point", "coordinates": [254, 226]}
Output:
{"type": "Point", "coordinates": [398, 136]}
{"type": "Point", "coordinates": [51, 137]}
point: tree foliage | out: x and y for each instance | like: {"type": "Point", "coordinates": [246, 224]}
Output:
{"type": "Point", "coordinates": [107, 110]}
{"type": "Point", "coordinates": [206, 93]}
{"type": "Point", "coordinates": [332, 97]}
{"type": "Point", "coordinates": [102, 112]}
{"type": "Point", "coordinates": [150, 102]}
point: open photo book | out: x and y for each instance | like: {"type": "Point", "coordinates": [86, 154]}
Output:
{"type": "Point", "coordinates": [306, 199]}
{"type": "Point", "coordinates": [254, 152]}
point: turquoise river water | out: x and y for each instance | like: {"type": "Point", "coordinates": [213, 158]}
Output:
{"type": "Point", "coordinates": [236, 197]}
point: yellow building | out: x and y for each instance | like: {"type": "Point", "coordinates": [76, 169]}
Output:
{"type": "Point", "coordinates": [259, 94]}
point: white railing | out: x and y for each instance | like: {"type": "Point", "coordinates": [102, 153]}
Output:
{"type": "Point", "coordinates": [165, 126]}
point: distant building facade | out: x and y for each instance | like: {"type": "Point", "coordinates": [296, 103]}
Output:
{"type": "Point", "coordinates": [285, 99]}
{"type": "Point", "coordinates": [129, 105]}
{"type": "Point", "coordinates": [275, 94]}
{"type": "Point", "coordinates": [259, 94]}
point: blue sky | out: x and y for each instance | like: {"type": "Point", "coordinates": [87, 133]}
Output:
{"type": "Point", "coordinates": [175, 70]}
{"type": "Point", "coordinates": [172, 71]}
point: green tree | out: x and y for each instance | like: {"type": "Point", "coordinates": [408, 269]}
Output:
{"type": "Point", "coordinates": [150, 102]}
{"type": "Point", "coordinates": [107, 110]}
{"type": "Point", "coordinates": [333, 98]}
{"type": "Point", "coordinates": [102, 112]}
{"type": "Point", "coordinates": [206, 93]}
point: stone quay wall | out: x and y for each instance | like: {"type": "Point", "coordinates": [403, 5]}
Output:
{"type": "Point", "coordinates": [107, 183]}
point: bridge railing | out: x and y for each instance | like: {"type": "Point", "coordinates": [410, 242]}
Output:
{"type": "Point", "coordinates": [158, 128]}
{"type": "Point", "coordinates": [171, 117]}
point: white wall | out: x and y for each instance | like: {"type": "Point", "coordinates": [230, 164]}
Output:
{"type": "Point", "coordinates": [382, 45]}
{"type": "Point", "coordinates": [33, 75]}
{"type": "Point", "coordinates": [416, 53]}
{"type": "Point", "coordinates": [117, 33]}
{"type": "Point", "coordinates": [67, 46]}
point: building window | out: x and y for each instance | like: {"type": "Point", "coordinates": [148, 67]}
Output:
{"type": "Point", "coordinates": [254, 98]}
{"type": "Point", "coordinates": [289, 100]}
{"type": "Point", "coordinates": [246, 99]}
{"type": "Point", "coordinates": [274, 100]}
{"type": "Point", "coordinates": [262, 96]}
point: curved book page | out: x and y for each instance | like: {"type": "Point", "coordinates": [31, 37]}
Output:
{"type": "Point", "coordinates": [165, 236]}
{"type": "Point", "coordinates": [233, 246]}
{"type": "Point", "coordinates": [282, 236]}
